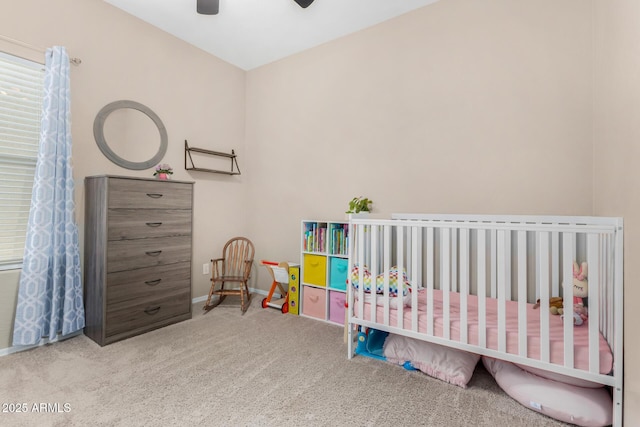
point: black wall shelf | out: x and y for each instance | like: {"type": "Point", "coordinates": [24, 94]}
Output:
{"type": "Point", "coordinates": [187, 154]}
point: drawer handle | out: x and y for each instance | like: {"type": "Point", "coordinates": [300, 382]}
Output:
{"type": "Point", "coordinates": [154, 224]}
{"type": "Point", "coordinates": [314, 299]}
{"type": "Point", "coordinates": [153, 253]}
{"type": "Point", "coordinates": [314, 263]}
{"type": "Point", "coordinates": [154, 195]}
{"type": "Point", "coordinates": [153, 282]}
{"type": "Point", "coordinates": [152, 310]}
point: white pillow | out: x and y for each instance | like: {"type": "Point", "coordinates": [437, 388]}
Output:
{"type": "Point", "coordinates": [581, 406]}
{"type": "Point", "coordinates": [447, 364]}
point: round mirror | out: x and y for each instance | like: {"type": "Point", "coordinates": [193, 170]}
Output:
{"type": "Point", "coordinates": [132, 128]}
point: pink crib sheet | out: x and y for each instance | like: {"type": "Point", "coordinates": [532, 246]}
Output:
{"type": "Point", "coordinates": [556, 333]}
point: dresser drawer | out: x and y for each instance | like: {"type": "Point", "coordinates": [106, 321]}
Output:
{"type": "Point", "coordinates": [139, 194]}
{"type": "Point", "coordinates": [131, 315]}
{"type": "Point", "coordinates": [142, 223]}
{"type": "Point", "coordinates": [147, 283]}
{"type": "Point", "coordinates": [132, 254]}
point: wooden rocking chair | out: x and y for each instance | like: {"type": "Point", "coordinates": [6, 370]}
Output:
{"type": "Point", "coordinates": [234, 267]}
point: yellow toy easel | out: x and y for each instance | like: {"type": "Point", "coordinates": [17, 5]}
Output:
{"type": "Point", "coordinates": [280, 274]}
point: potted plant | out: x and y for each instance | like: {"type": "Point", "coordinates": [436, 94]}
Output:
{"type": "Point", "coordinates": [359, 204]}
{"type": "Point", "coordinates": [163, 171]}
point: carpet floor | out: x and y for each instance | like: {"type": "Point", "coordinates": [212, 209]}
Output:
{"type": "Point", "coordinates": [223, 369]}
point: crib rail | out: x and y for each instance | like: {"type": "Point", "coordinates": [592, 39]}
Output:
{"type": "Point", "coordinates": [510, 261]}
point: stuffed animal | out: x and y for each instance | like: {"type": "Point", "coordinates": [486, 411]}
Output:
{"type": "Point", "coordinates": [555, 304]}
{"type": "Point", "coordinates": [580, 291]}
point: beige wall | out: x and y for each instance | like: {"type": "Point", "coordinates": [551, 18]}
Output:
{"type": "Point", "coordinates": [617, 150]}
{"type": "Point", "coordinates": [459, 107]}
{"type": "Point", "coordinates": [8, 299]}
{"type": "Point", "coordinates": [197, 96]}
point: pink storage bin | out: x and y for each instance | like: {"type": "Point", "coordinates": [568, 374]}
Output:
{"type": "Point", "coordinates": [314, 301]}
{"type": "Point", "coordinates": [336, 306]}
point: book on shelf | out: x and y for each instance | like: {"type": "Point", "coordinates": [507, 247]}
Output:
{"type": "Point", "coordinates": [315, 238]}
{"type": "Point", "coordinates": [338, 239]}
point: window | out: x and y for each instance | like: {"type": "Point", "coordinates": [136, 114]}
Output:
{"type": "Point", "coordinates": [21, 93]}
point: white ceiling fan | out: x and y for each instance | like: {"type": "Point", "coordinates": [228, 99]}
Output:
{"type": "Point", "coordinates": [210, 7]}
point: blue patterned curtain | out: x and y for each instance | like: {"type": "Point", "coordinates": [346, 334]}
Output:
{"type": "Point", "coordinates": [50, 293]}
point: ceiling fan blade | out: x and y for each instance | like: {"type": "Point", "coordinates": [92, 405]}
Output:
{"type": "Point", "coordinates": [208, 7]}
{"type": "Point", "coordinates": [304, 3]}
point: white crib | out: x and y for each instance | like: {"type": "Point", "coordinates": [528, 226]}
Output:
{"type": "Point", "coordinates": [474, 280]}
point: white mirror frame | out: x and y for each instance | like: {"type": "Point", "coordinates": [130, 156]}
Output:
{"type": "Point", "coordinates": [98, 133]}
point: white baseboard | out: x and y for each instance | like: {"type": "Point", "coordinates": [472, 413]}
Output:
{"type": "Point", "coordinates": [199, 299]}
{"type": "Point", "coordinates": [45, 341]}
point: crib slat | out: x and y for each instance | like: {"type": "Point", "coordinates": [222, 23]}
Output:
{"type": "Point", "coordinates": [374, 271]}
{"type": "Point", "coordinates": [454, 260]}
{"type": "Point", "coordinates": [413, 278]}
{"type": "Point", "coordinates": [537, 245]}
{"type": "Point", "coordinates": [359, 230]}
{"type": "Point", "coordinates": [430, 279]}
{"type": "Point", "coordinates": [568, 255]}
{"type": "Point", "coordinates": [492, 249]}
{"type": "Point", "coordinates": [419, 255]}
{"type": "Point", "coordinates": [482, 288]}
{"type": "Point", "coordinates": [543, 278]}
{"type": "Point", "coordinates": [522, 293]}
{"type": "Point", "coordinates": [610, 302]}
{"type": "Point", "coordinates": [445, 280]}
{"type": "Point", "coordinates": [606, 273]}
{"type": "Point", "coordinates": [555, 264]}
{"type": "Point", "coordinates": [408, 256]}
{"type": "Point", "coordinates": [593, 256]}
{"type": "Point", "coordinates": [386, 266]}
{"type": "Point", "coordinates": [399, 264]}
{"type": "Point", "coordinates": [464, 283]}
{"type": "Point", "coordinates": [502, 286]}
{"type": "Point", "coordinates": [507, 257]}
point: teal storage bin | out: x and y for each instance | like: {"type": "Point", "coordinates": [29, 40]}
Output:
{"type": "Point", "coordinates": [338, 273]}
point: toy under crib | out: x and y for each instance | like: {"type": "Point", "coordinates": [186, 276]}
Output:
{"type": "Point", "coordinates": [371, 344]}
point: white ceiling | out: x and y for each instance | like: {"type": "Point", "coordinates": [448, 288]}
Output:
{"type": "Point", "coordinates": [251, 33]}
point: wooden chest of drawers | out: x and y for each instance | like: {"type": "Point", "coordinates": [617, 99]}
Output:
{"type": "Point", "coordinates": [137, 255]}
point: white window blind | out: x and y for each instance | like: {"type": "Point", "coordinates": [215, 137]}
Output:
{"type": "Point", "coordinates": [21, 92]}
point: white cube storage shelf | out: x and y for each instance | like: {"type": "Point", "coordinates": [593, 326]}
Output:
{"type": "Point", "coordinates": [324, 261]}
